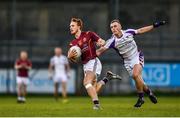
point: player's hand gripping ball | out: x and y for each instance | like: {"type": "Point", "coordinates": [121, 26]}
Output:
{"type": "Point", "coordinates": [74, 54]}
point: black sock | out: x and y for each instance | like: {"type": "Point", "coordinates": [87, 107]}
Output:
{"type": "Point", "coordinates": [148, 91]}
{"type": "Point", "coordinates": [105, 80]}
{"type": "Point", "coordinates": [141, 95]}
{"type": "Point", "coordinates": [96, 102]}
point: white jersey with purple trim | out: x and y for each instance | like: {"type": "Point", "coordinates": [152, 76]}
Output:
{"type": "Point", "coordinates": [59, 64]}
{"type": "Point", "coordinates": [125, 45]}
{"type": "Point", "coordinates": [127, 49]}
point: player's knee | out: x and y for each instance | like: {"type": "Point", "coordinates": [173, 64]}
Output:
{"type": "Point", "coordinates": [135, 75]}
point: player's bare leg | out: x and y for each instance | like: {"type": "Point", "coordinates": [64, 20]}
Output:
{"type": "Point", "coordinates": [94, 83]}
{"type": "Point", "coordinates": [56, 87]}
{"type": "Point", "coordinates": [23, 93]}
{"type": "Point", "coordinates": [137, 73]}
{"type": "Point", "coordinates": [19, 91]}
{"type": "Point", "coordinates": [88, 81]}
{"type": "Point", "coordinates": [99, 86]}
{"type": "Point", "coordinates": [64, 92]}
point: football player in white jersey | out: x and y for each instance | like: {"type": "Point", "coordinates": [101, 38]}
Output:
{"type": "Point", "coordinates": [59, 71]}
{"type": "Point", "coordinates": [123, 42]}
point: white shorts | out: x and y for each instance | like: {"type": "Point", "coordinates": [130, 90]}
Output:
{"type": "Point", "coordinates": [22, 80]}
{"type": "Point", "coordinates": [129, 63]}
{"type": "Point", "coordinates": [60, 78]}
{"type": "Point", "coordinates": [93, 65]}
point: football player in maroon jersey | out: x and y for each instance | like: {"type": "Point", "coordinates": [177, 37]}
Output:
{"type": "Point", "coordinates": [22, 65]}
{"type": "Point", "coordinates": [92, 67]}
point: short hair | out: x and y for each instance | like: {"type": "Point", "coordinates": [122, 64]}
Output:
{"type": "Point", "coordinates": [115, 20]}
{"type": "Point", "coordinates": [78, 21]}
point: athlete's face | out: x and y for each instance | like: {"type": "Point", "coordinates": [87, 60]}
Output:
{"type": "Point", "coordinates": [115, 28]}
{"type": "Point", "coordinates": [58, 51]}
{"type": "Point", "coordinates": [74, 27]}
{"type": "Point", "coordinates": [23, 55]}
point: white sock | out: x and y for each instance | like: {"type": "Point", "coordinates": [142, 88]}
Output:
{"type": "Point", "coordinates": [19, 98]}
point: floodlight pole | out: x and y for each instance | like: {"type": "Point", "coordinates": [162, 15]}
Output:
{"type": "Point", "coordinates": [14, 36]}
{"type": "Point", "coordinates": [13, 23]}
{"type": "Point", "coordinates": [114, 9]}
{"type": "Point", "coordinates": [14, 20]}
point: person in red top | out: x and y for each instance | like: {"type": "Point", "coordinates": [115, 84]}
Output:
{"type": "Point", "coordinates": [92, 67]}
{"type": "Point", "coordinates": [22, 65]}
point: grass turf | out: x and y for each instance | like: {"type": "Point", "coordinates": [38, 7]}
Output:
{"type": "Point", "coordinates": [82, 106]}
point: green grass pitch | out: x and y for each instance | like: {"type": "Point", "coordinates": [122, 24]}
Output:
{"type": "Point", "coordinates": [81, 106]}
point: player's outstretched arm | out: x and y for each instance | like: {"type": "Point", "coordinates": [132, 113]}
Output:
{"type": "Point", "coordinates": [150, 27]}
